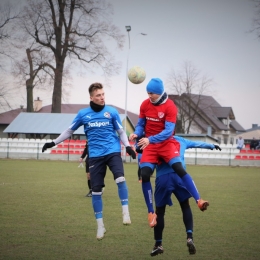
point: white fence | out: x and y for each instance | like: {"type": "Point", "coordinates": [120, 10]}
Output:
{"type": "Point", "coordinates": [32, 149]}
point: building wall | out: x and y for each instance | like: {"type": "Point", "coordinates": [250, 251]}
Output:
{"type": "Point", "coordinates": [2, 128]}
{"type": "Point", "coordinates": [224, 137]}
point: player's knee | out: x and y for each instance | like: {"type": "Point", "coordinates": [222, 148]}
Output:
{"type": "Point", "coordinates": [120, 179]}
{"type": "Point", "coordinates": [146, 173]}
{"type": "Point", "coordinates": [97, 189]}
{"type": "Point", "coordinates": [178, 168]}
{"type": "Point", "coordinates": [160, 211]}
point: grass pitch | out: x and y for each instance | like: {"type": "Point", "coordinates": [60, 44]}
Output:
{"type": "Point", "coordinates": [44, 214]}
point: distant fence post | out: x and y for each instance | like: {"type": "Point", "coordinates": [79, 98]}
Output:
{"type": "Point", "coordinates": [69, 149]}
{"type": "Point", "coordinates": [196, 156]}
{"type": "Point", "coordinates": [37, 151]}
{"type": "Point", "coordinates": [7, 150]}
{"type": "Point", "coordinates": [229, 156]}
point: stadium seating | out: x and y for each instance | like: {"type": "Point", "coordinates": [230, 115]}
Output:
{"type": "Point", "coordinates": [23, 146]}
{"type": "Point", "coordinates": [248, 154]}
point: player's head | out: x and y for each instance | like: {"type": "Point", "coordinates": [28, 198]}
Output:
{"type": "Point", "coordinates": [96, 93]}
{"type": "Point", "coordinates": [155, 86]}
{"type": "Point", "coordinates": [155, 89]}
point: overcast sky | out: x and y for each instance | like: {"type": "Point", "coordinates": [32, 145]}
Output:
{"type": "Point", "coordinates": [211, 34]}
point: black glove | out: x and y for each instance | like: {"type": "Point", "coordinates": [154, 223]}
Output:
{"type": "Point", "coordinates": [138, 149]}
{"type": "Point", "coordinates": [217, 147]}
{"type": "Point", "coordinates": [131, 152]}
{"type": "Point", "coordinates": [47, 145]}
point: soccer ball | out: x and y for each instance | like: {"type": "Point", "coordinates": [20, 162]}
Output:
{"type": "Point", "coordinates": [136, 75]}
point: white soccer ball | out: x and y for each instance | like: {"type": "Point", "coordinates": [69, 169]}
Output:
{"type": "Point", "coordinates": [136, 75]}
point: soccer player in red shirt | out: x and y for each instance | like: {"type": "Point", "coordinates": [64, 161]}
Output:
{"type": "Point", "coordinates": [157, 120]}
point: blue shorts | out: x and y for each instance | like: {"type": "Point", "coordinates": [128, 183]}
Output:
{"type": "Point", "coordinates": [98, 166]}
{"type": "Point", "coordinates": [167, 184]}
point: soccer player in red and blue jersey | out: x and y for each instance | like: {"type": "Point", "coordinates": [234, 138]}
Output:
{"type": "Point", "coordinates": [157, 120]}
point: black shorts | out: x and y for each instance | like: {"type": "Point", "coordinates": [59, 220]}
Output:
{"type": "Point", "coordinates": [98, 166]}
{"type": "Point", "coordinates": [87, 165]}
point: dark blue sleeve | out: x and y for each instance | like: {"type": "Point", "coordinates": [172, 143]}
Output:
{"type": "Point", "coordinates": [139, 129]}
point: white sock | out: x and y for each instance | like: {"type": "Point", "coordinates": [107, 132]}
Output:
{"type": "Point", "coordinates": [125, 209]}
{"type": "Point", "coordinates": [100, 222]}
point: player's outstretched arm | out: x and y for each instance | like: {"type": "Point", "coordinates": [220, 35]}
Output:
{"type": "Point", "coordinates": [124, 140]}
{"type": "Point", "coordinates": [163, 135]}
{"type": "Point", "coordinates": [47, 145]}
{"type": "Point", "coordinates": [217, 147]}
{"type": "Point", "coordinates": [131, 152]}
{"type": "Point", "coordinates": [132, 137]}
{"type": "Point", "coordinates": [139, 129]}
{"type": "Point", "coordinates": [63, 136]}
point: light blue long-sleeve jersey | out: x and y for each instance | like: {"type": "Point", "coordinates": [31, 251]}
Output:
{"type": "Point", "coordinates": [100, 130]}
{"type": "Point", "coordinates": [164, 168]}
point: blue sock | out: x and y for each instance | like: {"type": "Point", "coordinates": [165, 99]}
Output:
{"type": "Point", "coordinates": [123, 192]}
{"type": "Point", "coordinates": [148, 195]}
{"type": "Point", "coordinates": [189, 234]}
{"type": "Point", "coordinates": [97, 205]}
{"type": "Point", "coordinates": [191, 187]}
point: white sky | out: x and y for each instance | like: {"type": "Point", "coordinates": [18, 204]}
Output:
{"type": "Point", "coordinates": [212, 34]}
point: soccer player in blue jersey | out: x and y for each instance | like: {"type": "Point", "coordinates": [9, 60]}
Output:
{"type": "Point", "coordinates": [168, 182]}
{"type": "Point", "coordinates": [103, 130]}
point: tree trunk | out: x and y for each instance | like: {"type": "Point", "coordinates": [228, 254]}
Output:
{"type": "Point", "coordinates": [57, 91]}
{"type": "Point", "coordinates": [29, 90]}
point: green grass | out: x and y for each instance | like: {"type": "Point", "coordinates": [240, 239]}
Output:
{"type": "Point", "coordinates": [44, 215]}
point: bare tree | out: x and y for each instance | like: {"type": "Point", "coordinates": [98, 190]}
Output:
{"type": "Point", "coordinates": [31, 70]}
{"type": "Point", "coordinates": [7, 15]}
{"type": "Point", "coordinates": [34, 70]}
{"type": "Point", "coordinates": [256, 20]}
{"type": "Point", "coordinates": [4, 95]}
{"type": "Point", "coordinates": [75, 29]}
{"type": "Point", "coordinates": [189, 87]}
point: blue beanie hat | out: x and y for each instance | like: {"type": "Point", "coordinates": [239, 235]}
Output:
{"type": "Point", "coordinates": [155, 86]}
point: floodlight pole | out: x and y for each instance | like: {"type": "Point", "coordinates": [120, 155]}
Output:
{"type": "Point", "coordinates": [128, 29]}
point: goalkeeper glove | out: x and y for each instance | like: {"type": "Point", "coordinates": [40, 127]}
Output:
{"type": "Point", "coordinates": [47, 145]}
{"type": "Point", "coordinates": [138, 149]}
{"type": "Point", "coordinates": [131, 152]}
{"type": "Point", "coordinates": [217, 147]}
